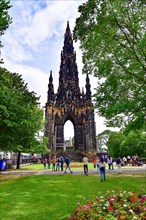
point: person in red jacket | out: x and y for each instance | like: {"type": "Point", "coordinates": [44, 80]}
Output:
{"type": "Point", "coordinates": [94, 162]}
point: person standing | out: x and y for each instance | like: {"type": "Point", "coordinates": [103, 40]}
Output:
{"type": "Point", "coordinates": [112, 162]}
{"type": "Point", "coordinates": [118, 161]}
{"type": "Point", "coordinates": [49, 163]}
{"type": "Point", "coordinates": [94, 162]}
{"type": "Point", "coordinates": [45, 163]}
{"type": "Point", "coordinates": [102, 169]}
{"type": "Point", "coordinates": [58, 163]}
{"type": "Point", "coordinates": [109, 162]}
{"type": "Point", "coordinates": [67, 162]}
{"type": "Point", "coordinates": [85, 163]}
{"type": "Point", "coordinates": [61, 162]}
{"type": "Point", "coordinates": [97, 163]}
{"type": "Point", "coordinates": [53, 161]}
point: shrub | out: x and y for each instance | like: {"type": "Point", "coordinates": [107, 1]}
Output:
{"type": "Point", "coordinates": [112, 206]}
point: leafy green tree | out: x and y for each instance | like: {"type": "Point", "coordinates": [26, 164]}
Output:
{"type": "Point", "coordinates": [134, 143]}
{"type": "Point", "coordinates": [113, 40]}
{"type": "Point", "coordinates": [102, 139]}
{"type": "Point", "coordinates": [124, 144]}
{"type": "Point", "coordinates": [114, 143]}
{"type": "Point", "coordinates": [5, 19]}
{"type": "Point", "coordinates": [21, 118]}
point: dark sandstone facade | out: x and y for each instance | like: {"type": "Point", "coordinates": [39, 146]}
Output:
{"type": "Point", "coordinates": [69, 103]}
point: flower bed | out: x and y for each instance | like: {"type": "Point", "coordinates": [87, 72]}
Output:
{"type": "Point", "coordinates": [76, 164]}
{"type": "Point", "coordinates": [112, 206]}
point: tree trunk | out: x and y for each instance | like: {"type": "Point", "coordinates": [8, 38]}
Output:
{"type": "Point", "coordinates": [18, 160]}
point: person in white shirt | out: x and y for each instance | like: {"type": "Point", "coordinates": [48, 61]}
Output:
{"type": "Point", "coordinates": [102, 169]}
{"type": "Point", "coordinates": [97, 163]}
{"type": "Point", "coordinates": [85, 163]}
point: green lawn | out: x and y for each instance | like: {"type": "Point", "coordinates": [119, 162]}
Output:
{"type": "Point", "coordinates": [54, 197]}
{"type": "Point", "coordinates": [74, 166]}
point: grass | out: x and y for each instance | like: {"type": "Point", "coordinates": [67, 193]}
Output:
{"type": "Point", "coordinates": [54, 197]}
{"type": "Point", "coordinates": [74, 166]}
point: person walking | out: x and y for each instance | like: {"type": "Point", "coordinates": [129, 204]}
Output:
{"type": "Point", "coordinates": [102, 169]}
{"type": "Point", "coordinates": [67, 162]}
{"type": "Point", "coordinates": [85, 164]}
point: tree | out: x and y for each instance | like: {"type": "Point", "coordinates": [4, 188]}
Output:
{"type": "Point", "coordinates": [102, 139]}
{"type": "Point", "coordinates": [5, 19]}
{"type": "Point", "coordinates": [21, 118]}
{"type": "Point", "coordinates": [134, 143]}
{"type": "Point", "coordinates": [114, 143]}
{"type": "Point", "coordinates": [113, 40]}
{"type": "Point", "coordinates": [124, 144]}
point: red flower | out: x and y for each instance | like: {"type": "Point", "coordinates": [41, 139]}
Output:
{"type": "Point", "coordinates": [133, 198]}
{"type": "Point", "coordinates": [110, 208]}
{"type": "Point", "coordinates": [134, 192]}
{"type": "Point", "coordinates": [101, 218]}
{"type": "Point", "coordinates": [85, 207]}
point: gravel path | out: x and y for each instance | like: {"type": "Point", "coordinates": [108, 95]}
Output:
{"type": "Point", "coordinates": [49, 172]}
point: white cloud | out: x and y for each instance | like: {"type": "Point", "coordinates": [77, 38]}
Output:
{"type": "Point", "coordinates": [33, 43]}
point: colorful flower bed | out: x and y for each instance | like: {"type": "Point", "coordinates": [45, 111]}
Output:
{"type": "Point", "coordinates": [112, 206]}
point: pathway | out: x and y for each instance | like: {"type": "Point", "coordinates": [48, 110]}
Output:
{"type": "Point", "coordinates": [49, 172]}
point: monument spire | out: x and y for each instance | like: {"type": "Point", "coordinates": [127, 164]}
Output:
{"type": "Point", "coordinates": [50, 89]}
{"type": "Point", "coordinates": [68, 74]}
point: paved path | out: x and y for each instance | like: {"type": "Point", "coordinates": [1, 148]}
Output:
{"type": "Point", "coordinates": [49, 172]}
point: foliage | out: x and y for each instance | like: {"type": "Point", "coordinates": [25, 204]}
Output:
{"type": "Point", "coordinates": [102, 140]}
{"type": "Point", "coordinates": [111, 206]}
{"type": "Point", "coordinates": [114, 142]}
{"type": "Point", "coordinates": [21, 117]}
{"type": "Point", "coordinates": [113, 39]}
{"type": "Point", "coordinates": [5, 18]}
{"type": "Point", "coordinates": [124, 144]}
{"type": "Point", "coordinates": [134, 143]}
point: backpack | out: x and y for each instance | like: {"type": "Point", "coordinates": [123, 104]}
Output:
{"type": "Point", "coordinates": [67, 160]}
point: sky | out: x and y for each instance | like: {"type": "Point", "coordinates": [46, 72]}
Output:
{"type": "Point", "coordinates": [33, 43]}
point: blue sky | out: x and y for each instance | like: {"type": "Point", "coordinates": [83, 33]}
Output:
{"type": "Point", "coordinates": [33, 43]}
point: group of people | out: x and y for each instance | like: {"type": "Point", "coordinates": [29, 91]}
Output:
{"type": "Point", "coordinates": [134, 161]}
{"type": "Point", "coordinates": [99, 163]}
{"type": "Point", "coordinates": [96, 161]}
{"type": "Point", "coordinates": [58, 163]}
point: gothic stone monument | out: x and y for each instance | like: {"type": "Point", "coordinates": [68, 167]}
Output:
{"type": "Point", "coordinates": [69, 103]}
